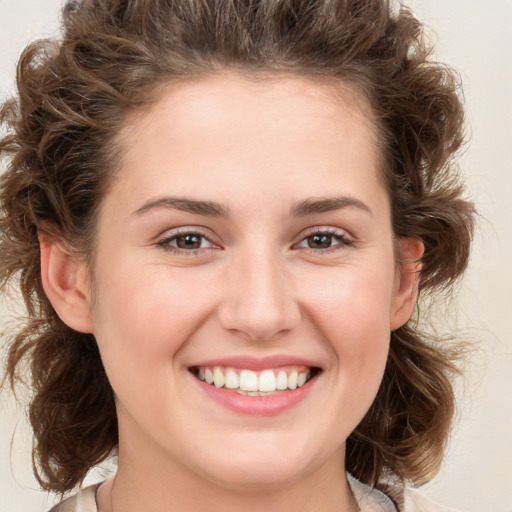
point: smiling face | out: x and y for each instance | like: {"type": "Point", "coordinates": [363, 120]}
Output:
{"type": "Point", "coordinates": [245, 280]}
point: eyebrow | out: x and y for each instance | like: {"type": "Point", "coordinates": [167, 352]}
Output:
{"type": "Point", "coordinates": [206, 208]}
{"type": "Point", "coordinates": [303, 208]}
{"type": "Point", "coordinates": [327, 204]}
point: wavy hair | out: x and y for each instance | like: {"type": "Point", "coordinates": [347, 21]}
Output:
{"type": "Point", "coordinates": [73, 95]}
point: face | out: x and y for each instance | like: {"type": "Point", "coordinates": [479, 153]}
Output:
{"type": "Point", "coordinates": [245, 279]}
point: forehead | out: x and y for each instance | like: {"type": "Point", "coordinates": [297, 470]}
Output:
{"type": "Point", "coordinates": [280, 132]}
{"type": "Point", "coordinates": [228, 96]}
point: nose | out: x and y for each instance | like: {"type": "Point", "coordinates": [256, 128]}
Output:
{"type": "Point", "coordinates": [258, 299]}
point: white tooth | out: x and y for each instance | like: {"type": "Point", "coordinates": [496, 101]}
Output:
{"type": "Point", "coordinates": [208, 376]}
{"type": "Point", "coordinates": [302, 378]}
{"type": "Point", "coordinates": [248, 380]}
{"type": "Point", "coordinates": [267, 381]}
{"type": "Point", "coordinates": [218, 377]}
{"type": "Point", "coordinates": [232, 380]}
{"type": "Point", "coordinates": [282, 380]}
{"type": "Point", "coordinates": [292, 379]}
{"type": "Point", "coordinates": [200, 374]}
{"type": "Point", "coordinates": [253, 393]}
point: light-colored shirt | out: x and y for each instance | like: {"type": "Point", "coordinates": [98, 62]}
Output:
{"type": "Point", "coordinates": [368, 499]}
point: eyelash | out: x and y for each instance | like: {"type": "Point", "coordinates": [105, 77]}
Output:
{"type": "Point", "coordinates": [343, 240]}
{"type": "Point", "coordinates": [341, 237]}
{"type": "Point", "coordinates": [165, 243]}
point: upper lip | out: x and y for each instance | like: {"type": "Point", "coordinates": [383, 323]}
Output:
{"type": "Point", "coordinates": [257, 363]}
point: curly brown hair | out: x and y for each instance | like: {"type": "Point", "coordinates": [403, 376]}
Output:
{"type": "Point", "coordinates": [60, 143]}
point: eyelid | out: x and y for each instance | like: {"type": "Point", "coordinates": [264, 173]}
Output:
{"type": "Point", "coordinates": [330, 230]}
{"type": "Point", "coordinates": [347, 239]}
{"type": "Point", "coordinates": [163, 240]}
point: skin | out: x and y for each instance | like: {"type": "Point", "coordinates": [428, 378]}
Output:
{"type": "Point", "coordinates": [256, 287]}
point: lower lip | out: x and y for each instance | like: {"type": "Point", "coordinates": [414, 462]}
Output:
{"type": "Point", "coordinates": [269, 405]}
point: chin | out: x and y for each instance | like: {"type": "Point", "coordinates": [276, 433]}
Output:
{"type": "Point", "coordinates": [262, 466]}
{"type": "Point", "coordinates": [248, 478]}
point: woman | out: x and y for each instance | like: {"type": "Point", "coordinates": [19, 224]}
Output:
{"type": "Point", "coordinates": [221, 215]}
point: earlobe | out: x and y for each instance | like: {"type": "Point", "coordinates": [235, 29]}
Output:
{"type": "Point", "coordinates": [408, 276]}
{"type": "Point", "coordinates": [65, 282]}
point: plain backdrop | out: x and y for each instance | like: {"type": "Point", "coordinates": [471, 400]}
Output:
{"type": "Point", "coordinates": [475, 36]}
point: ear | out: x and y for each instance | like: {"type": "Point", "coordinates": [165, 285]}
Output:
{"type": "Point", "coordinates": [65, 281]}
{"type": "Point", "coordinates": [407, 282]}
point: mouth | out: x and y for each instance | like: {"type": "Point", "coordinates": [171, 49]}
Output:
{"type": "Point", "coordinates": [266, 382]}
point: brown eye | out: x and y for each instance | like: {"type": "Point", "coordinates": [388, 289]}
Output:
{"type": "Point", "coordinates": [186, 242]}
{"type": "Point", "coordinates": [189, 241]}
{"type": "Point", "coordinates": [320, 241]}
{"type": "Point", "coordinates": [326, 241]}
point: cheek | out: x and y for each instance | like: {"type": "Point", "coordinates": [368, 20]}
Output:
{"type": "Point", "coordinates": [150, 304]}
{"type": "Point", "coordinates": [353, 302]}
{"type": "Point", "coordinates": [142, 321]}
{"type": "Point", "coordinates": [352, 314]}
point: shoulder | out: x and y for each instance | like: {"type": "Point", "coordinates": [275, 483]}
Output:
{"type": "Point", "coordinates": [370, 499]}
{"type": "Point", "coordinates": [409, 500]}
{"type": "Point", "coordinates": [84, 501]}
{"type": "Point", "coordinates": [415, 501]}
